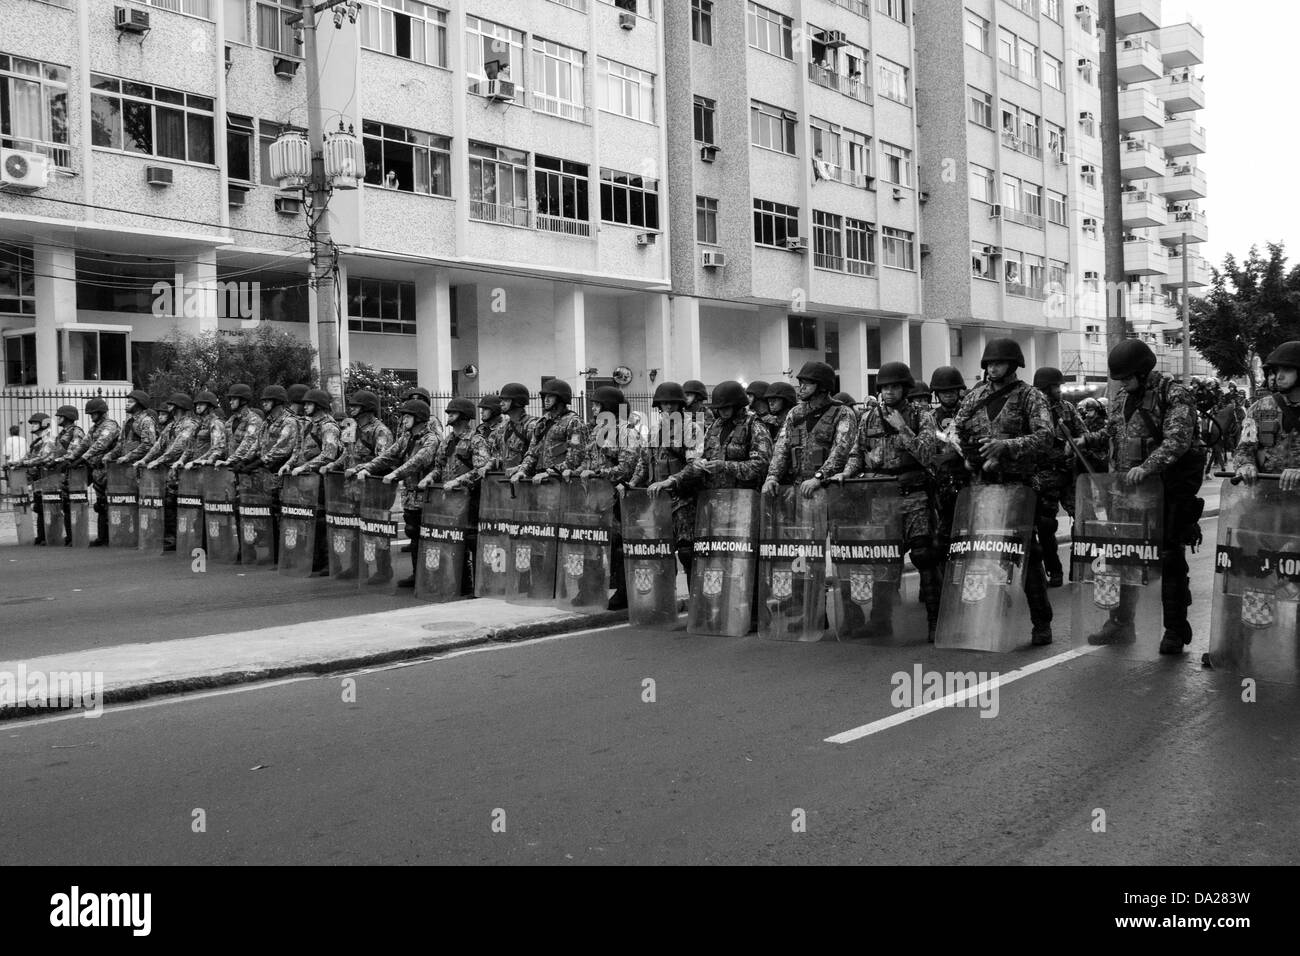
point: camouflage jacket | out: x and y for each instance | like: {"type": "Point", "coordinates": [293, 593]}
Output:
{"type": "Point", "coordinates": [773, 423]}
{"type": "Point", "coordinates": [68, 444]}
{"type": "Point", "coordinates": [881, 450]}
{"type": "Point", "coordinates": [558, 443]}
{"type": "Point", "coordinates": [279, 439]}
{"type": "Point", "coordinates": [742, 443]}
{"type": "Point", "coordinates": [615, 451]}
{"type": "Point", "coordinates": [209, 441]}
{"type": "Point", "coordinates": [369, 440]}
{"type": "Point", "coordinates": [1170, 407]}
{"type": "Point", "coordinates": [41, 448]}
{"type": "Point", "coordinates": [244, 430]}
{"type": "Point", "coordinates": [802, 450]}
{"type": "Point", "coordinates": [408, 458]}
{"type": "Point", "coordinates": [463, 458]}
{"type": "Point", "coordinates": [139, 432]}
{"type": "Point", "coordinates": [948, 462]}
{"type": "Point", "coordinates": [696, 424]}
{"type": "Point", "coordinates": [657, 463]}
{"type": "Point", "coordinates": [1270, 435]}
{"type": "Point", "coordinates": [102, 441]}
{"type": "Point", "coordinates": [1022, 422]}
{"type": "Point", "coordinates": [172, 441]}
{"type": "Point", "coordinates": [513, 440]}
{"type": "Point", "coordinates": [318, 443]}
{"type": "Point", "coordinates": [1060, 459]}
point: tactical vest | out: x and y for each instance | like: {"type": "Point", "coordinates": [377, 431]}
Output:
{"type": "Point", "coordinates": [554, 441]}
{"type": "Point", "coordinates": [515, 440]}
{"type": "Point", "coordinates": [66, 437]}
{"type": "Point", "coordinates": [366, 439]}
{"type": "Point", "coordinates": [665, 461]}
{"type": "Point", "coordinates": [894, 459]}
{"type": "Point", "coordinates": [201, 443]}
{"type": "Point", "coordinates": [1010, 422]}
{"type": "Point", "coordinates": [274, 424]}
{"type": "Point", "coordinates": [458, 457]}
{"type": "Point", "coordinates": [809, 448]}
{"type": "Point", "coordinates": [310, 438]}
{"type": "Point", "coordinates": [948, 459]}
{"type": "Point", "coordinates": [1139, 438]}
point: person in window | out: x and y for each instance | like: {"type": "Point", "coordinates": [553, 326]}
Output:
{"type": "Point", "coordinates": [390, 180]}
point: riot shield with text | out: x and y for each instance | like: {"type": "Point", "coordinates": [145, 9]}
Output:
{"type": "Point", "coordinates": [378, 529]}
{"type": "Point", "coordinates": [1254, 625]}
{"type": "Point", "coordinates": [299, 507]}
{"type": "Point", "coordinates": [584, 537]}
{"type": "Point", "coordinates": [151, 489]}
{"type": "Point", "coordinates": [444, 530]}
{"type": "Point", "coordinates": [256, 522]}
{"type": "Point", "coordinates": [648, 558]}
{"type": "Point", "coordinates": [123, 506]}
{"type": "Point", "coordinates": [792, 565]}
{"type": "Point", "coordinates": [22, 504]}
{"type": "Point", "coordinates": [189, 511]}
{"type": "Point", "coordinates": [866, 534]}
{"type": "Point", "coordinates": [530, 558]}
{"type": "Point", "coordinates": [220, 521]}
{"type": "Point", "coordinates": [983, 605]}
{"type": "Point", "coordinates": [342, 525]}
{"type": "Point", "coordinates": [495, 517]}
{"type": "Point", "coordinates": [50, 485]}
{"type": "Point", "coordinates": [1115, 558]}
{"type": "Point", "coordinates": [79, 507]}
{"type": "Point", "coordinates": [726, 549]}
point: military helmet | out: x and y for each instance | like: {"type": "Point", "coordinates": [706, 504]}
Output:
{"type": "Point", "coordinates": [367, 400]}
{"type": "Point", "coordinates": [919, 390]}
{"type": "Point", "coordinates": [181, 400]}
{"type": "Point", "coordinates": [945, 378]}
{"type": "Point", "coordinates": [819, 373]}
{"type": "Point", "coordinates": [756, 389]}
{"type": "Point", "coordinates": [608, 397]}
{"type": "Point", "coordinates": [296, 393]}
{"type": "Point", "coordinates": [240, 390]}
{"type": "Point", "coordinates": [559, 388]}
{"type": "Point", "coordinates": [275, 393]}
{"type": "Point", "coordinates": [1003, 349]}
{"type": "Point", "coordinates": [413, 406]}
{"type": "Point", "coordinates": [844, 398]}
{"type": "Point", "coordinates": [461, 406]}
{"type": "Point", "coordinates": [1131, 357]}
{"type": "Point", "coordinates": [515, 392]}
{"type": "Point", "coordinates": [38, 419]}
{"type": "Point", "coordinates": [95, 406]}
{"type": "Point", "coordinates": [894, 373]}
{"type": "Point", "coordinates": [729, 395]}
{"type": "Point", "coordinates": [320, 398]}
{"type": "Point", "coordinates": [668, 392]}
{"type": "Point", "coordinates": [782, 390]}
{"type": "Point", "coordinates": [140, 397]}
{"type": "Point", "coordinates": [206, 398]}
{"type": "Point", "coordinates": [68, 412]}
{"type": "Point", "coordinates": [491, 402]}
{"type": "Point", "coordinates": [421, 393]}
{"type": "Point", "coordinates": [693, 386]}
{"type": "Point", "coordinates": [1287, 354]}
{"type": "Point", "coordinates": [1091, 405]}
{"type": "Point", "coordinates": [1047, 376]}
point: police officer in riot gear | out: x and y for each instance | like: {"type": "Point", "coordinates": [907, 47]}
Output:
{"type": "Point", "coordinates": [95, 453]}
{"type": "Point", "coordinates": [1054, 480]}
{"type": "Point", "coordinates": [514, 437]}
{"type": "Point", "coordinates": [370, 435]}
{"type": "Point", "coordinates": [614, 453]}
{"type": "Point", "coordinates": [407, 459]}
{"type": "Point", "coordinates": [664, 457]}
{"type": "Point", "coordinates": [459, 461]}
{"type": "Point", "coordinates": [210, 438]}
{"type": "Point", "coordinates": [757, 392]}
{"type": "Point", "coordinates": [948, 464]}
{"type": "Point", "coordinates": [736, 452]}
{"type": "Point", "coordinates": [560, 440]}
{"type": "Point", "coordinates": [1270, 436]}
{"type": "Point", "coordinates": [69, 443]}
{"type": "Point", "coordinates": [698, 413]}
{"type": "Point", "coordinates": [780, 399]}
{"type": "Point", "coordinates": [243, 427]}
{"type": "Point", "coordinates": [173, 440]}
{"type": "Point", "coordinates": [139, 431]}
{"type": "Point", "coordinates": [817, 436]}
{"type": "Point", "coordinates": [39, 451]}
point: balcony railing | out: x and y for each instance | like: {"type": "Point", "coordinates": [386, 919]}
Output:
{"type": "Point", "coordinates": [566, 227]}
{"type": "Point", "coordinates": [1035, 222]}
{"type": "Point", "coordinates": [1139, 195]}
{"type": "Point", "coordinates": [1025, 291]}
{"type": "Point", "coordinates": [855, 86]}
{"type": "Point", "coordinates": [60, 155]}
{"type": "Point", "coordinates": [823, 260]}
{"type": "Point", "coordinates": [505, 215]}
{"type": "Point", "coordinates": [1013, 71]}
{"type": "Point", "coordinates": [860, 7]}
{"type": "Point", "coordinates": [561, 108]}
{"type": "Point", "coordinates": [857, 267]}
{"type": "Point", "coordinates": [1012, 141]}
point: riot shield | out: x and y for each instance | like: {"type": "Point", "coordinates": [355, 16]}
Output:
{"type": "Point", "coordinates": [495, 518]}
{"type": "Point", "coordinates": [221, 523]}
{"type": "Point", "coordinates": [583, 536]}
{"type": "Point", "coordinates": [50, 485]}
{"type": "Point", "coordinates": [22, 504]}
{"type": "Point", "coordinates": [189, 511]}
{"type": "Point", "coordinates": [792, 565]}
{"type": "Point", "coordinates": [342, 526]}
{"type": "Point", "coordinates": [648, 558]}
{"type": "Point", "coordinates": [726, 548]}
{"type": "Point", "coordinates": [123, 507]}
{"type": "Point", "coordinates": [1115, 557]}
{"type": "Point", "coordinates": [152, 487]}
{"type": "Point", "coordinates": [299, 506]}
{"type": "Point", "coordinates": [444, 528]}
{"type": "Point", "coordinates": [866, 534]}
{"type": "Point", "coordinates": [256, 522]}
{"type": "Point", "coordinates": [378, 529]}
{"type": "Point", "coordinates": [983, 605]}
{"type": "Point", "coordinates": [1254, 626]}
{"type": "Point", "coordinates": [530, 558]}
{"type": "Point", "coordinates": [79, 507]}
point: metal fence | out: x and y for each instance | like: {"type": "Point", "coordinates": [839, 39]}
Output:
{"type": "Point", "coordinates": [19, 404]}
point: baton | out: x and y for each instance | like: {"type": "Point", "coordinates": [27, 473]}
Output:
{"type": "Point", "coordinates": [1236, 478]}
{"type": "Point", "coordinates": [866, 480]}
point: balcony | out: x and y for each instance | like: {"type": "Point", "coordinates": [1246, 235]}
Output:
{"type": "Point", "coordinates": [1182, 183]}
{"type": "Point", "coordinates": [1139, 109]}
{"type": "Point", "coordinates": [504, 215]}
{"type": "Point", "coordinates": [1189, 221]}
{"type": "Point", "coordinates": [1138, 159]}
{"type": "Point", "coordinates": [1181, 137]}
{"type": "Point", "coordinates": [1012, 141]}
{"type": "Point", "coordinates": [854, 86]}
{"type": "Point", "coordinates": [563, 226]}
{"type": "Point", "coordinates": [1143, 209]}
{"type": "Point", "coordinates": [1143, 257]}
{"type": "Point", "coordinates": [1198, 272]}
{"type": "Point", "coordinates": [1136, 16]}
{"type": "Point", "coordinates": [1181, 91]}
{"type": "Point", "coordinates": [1182, 44]}
{"type": "Point", "coordinates": [1139, 61]}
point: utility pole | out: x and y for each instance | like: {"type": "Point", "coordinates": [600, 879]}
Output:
{"type": "Point", "coordinates": [1187, 324]}
{"type": "Point", "coordinates": [1113, 230]}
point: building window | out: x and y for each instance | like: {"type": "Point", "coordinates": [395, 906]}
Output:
{"type": "Point", "coordinates": [897, 164]}
{"type": "Point", "coordinates": [558, 79]}
{"type": "Point", "coordinates": [1031, 140]}
{"type": "Point", "coordinates": [702, 21]}
{"type": "Point", "coordinates": [17, 282]}
{"type": "Point", "coordinates": [236, 22]}
{"type": "Point", "coordinates": [1052, 8]}
{"type": "Point", "coordinates": [1027, 60]}
{"type": "Point", "coordinates": [272, 31]}
{"type": "Point", "coordinates": [1088, 123]}
{"type": "Point", "coordinates": [1013, 272]}
{"type": "Point", "coordinates": [239, 147]}
{"type": "Point", "coordinates": [771, 127]}
{"type": "Point", "coordinates": [774, 222]}
{"type": "Point", "coordinates": [20, 355]}
{"type": "Point", "coordinates": [644, 8]}
{"type": "Point", "coordinates": [268, 133]}
{"type": "Point", "coordinates": [1056, 276]}
{"type": "Point", "coordinates": [979, 107]}
{"type": "Point", "coordinates": [151, 120]}
{"type": "Point", "coordinates": [562, 189]}
{"type": "Point", "coordinates": [1088, 175]}
{"type": "Point", "coordinates": [498, 185]}
{"type": "Point", "coordinates": [1056, 207]}
{"type": "Point", "coordinates": [857, 152]}
{"type": "Point", "coordinates": [1035, 276]}
{"type": "Point", "coordinates": [770, 31]}
{"type": "Point", "coordinates": [977, 32]}
{"type": "Point", "coordinates": [826, 148]}
{"type": "Point", "coordinates": [828, 241]}
{"type": "Point", "coordinates": [493, 52]}
{"type": "Point", "coordinates": [840, 68]}
{"type": "Point", "coordinates": [896, 9]}
{"type": "Point", "coordinates": [893, 80]}
{"type": "Point", "coordinates": [629, 200]}
{"type": "Point", "coordinates": [1053, 72]}
{"type": "Point", "coordinates": [706, 220]}
{"type": "Point", "coordinates": [380, 305]}
{"type": "Point", "coordinates": [1055, 139]}
{"type": "Point", "coordinates": [704, 111]}
{"type": "Point", "coordinates": [802, 332]}
{"type": "Point", "coordinates": [34, 108]}
{"type": "Point", "coordinates": [93, 355]}
{"type": "Point", "coordinates": [898, 248]}
{"type": "Point", "coordinates": [981, 183]}
{"type": "Point", "coordinates": [981, 265]}
{"type": "Point", "coordinates": [859, 247]}
{"type": "Point", "coordinates": [1011, 204]}
{"type": "Point", "coordinates": [414, 31]}
{"type": "Point", "coordinates": [406, 159]}
{"type": "Point", "coordinates": [1007, 47]}
{"type": "Point", "coordinates": [195, 8]}
{"type": "Point", "coordinates": [954, 342]}
{"type": "Point", "coordinates": [625, 90]}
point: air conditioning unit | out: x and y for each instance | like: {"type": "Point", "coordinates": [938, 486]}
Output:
{"type": "Point", "coordinates": [627, 21]}
{"type": "Point", "coordinates": [1089, 222]}
{"type": "Point", "coordinates": [898, 192]}
{"type": "Point", "coordinates": [288, 205]}
{"type": "Point", "coordinates": [1083, 63]}
{"type": "Point", "coordinates": [995, 211]}
{"type": "Point", "coordinates": [708, 153]}
{"type": "Point", "coordinates": [992, 251]}
{"type": "Point", "coordinates": [1088, 169]}
{"type": "Point", "coordinates": [1091, 276]}
{"type": "Point", "coordinates": [285, 67]}
{"type": "Point", "coordinates": [796, 243]}
{"type": "Point", "coordinates": [923, 195]}
{"type": "Point", "coordinates": [131, 20]}
{"type": "Point", "coordinates": [20, 169]}
{"type": "Point", "coordinates": [646, 238]}
{"type": "Point", "coordinates": [236, 196]}
{"type": "Point", "coordinates": [710, 259]}
{"type": "Point", "coordinates": [863, 181]}
{"type": "Point", "coordinates": [833, 38]}
{"type": "Point", "coordinates": [158, 175]}
{"type": "Point", "coordinates": [1086, 117]}
{"type": "Point", "coordinates": [1062, 158]}
{"type": "Point", "coordinates": [1082, 10]}
{"type": "Point", "coordinates": [502, 91]}
{"type": "Point", "coordinates": [925, 248]}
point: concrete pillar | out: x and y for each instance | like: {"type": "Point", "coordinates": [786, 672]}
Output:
{"type": "Point", "coordinates": [570, 333]}
{"type": "Point", "coordinates": [656, 313]}
{"type": "Point", "coordinates": [773, 344]}
{"type": "Point", "coordinates": [895, 341]}
{"type": "Point", "coordinates": [345, 345]}
{"type": "Point", "coordinates": [196, 301]}
{"type": "Point", "coordinates": [853, 355]}
{"type": "Point", "coordinates": [684, 346]}
{"type": "Point", "coordinates": [1029, 346]}
{"type": "Point", "coordinates": [433, 331]}
{"type": "Point", "coordinates": [935, 343]}
{"type": "Point", "coordinates": [56, 304]}
{"type": "Point", "coordinates": [1049, 348]}
{"type": "Point", "coordinates": [974, 338]}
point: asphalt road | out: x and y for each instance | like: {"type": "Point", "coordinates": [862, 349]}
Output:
{"type": "Point", "coordinates": [555, 743]}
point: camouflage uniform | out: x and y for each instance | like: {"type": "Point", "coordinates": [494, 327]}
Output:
{"type": "Point", "coordinates": [369, 440]}
{"type": "Point", "coordinates": [172, 442]}
{"type": "Point", "coordinates": [139, 432]}
{"type": "Point", "coordinates": [465, 459]}
{"type": "Point", "coordinates": [1054, 480]}
{"type": "Point", "coordinates": [244, 435]}
{"type": "Point", "coordinates": [209, 441]}
{"type": "Point", "coordinates": [408, 459]}
{"type": "Point", "coordinates": [103, 441]}
{"type": "Point", "coordinates": [659, 463]}
{"type": "Point", "coordinates": [276, 445]}
{"type": "Point", "coordinates": [318, 443]}
{"type": "Point", "coordinates": [1270, 436]}
{"type": "Point", "coordinates": [559, 443]}
{"type": "Point", "coordinates": [773, 422]}
{"type": "Point", "coordinates": [509, 441]}
{"type": "Point", "coordinates": [696, 422]}
{"type": "Point", "coordinates": [812, 442]}
{"type": "Point", "coordinates": [742, 443]}
{"type": "Point", "coordinates": [66, 445]}
{"type": "Point", "coordinates": [950, 476]}
{"type": "Point", "coordinates": [615, 457]}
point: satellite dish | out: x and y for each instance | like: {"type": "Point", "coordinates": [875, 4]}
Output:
{"type": "Point", "coordinates": [622, 375]}
{"type": "Point", "coordinates": [470, 371]}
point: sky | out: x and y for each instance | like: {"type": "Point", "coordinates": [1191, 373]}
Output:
{"type": "Point", "coordinates": [1252, 80]}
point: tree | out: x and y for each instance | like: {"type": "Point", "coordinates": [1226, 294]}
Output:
{"type": "Point", "coordinates": [257, 356]}
{"type": "Point", "coordinates": [1251, 309]}
{"type": "Point", "coordinates": [389, 386]}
